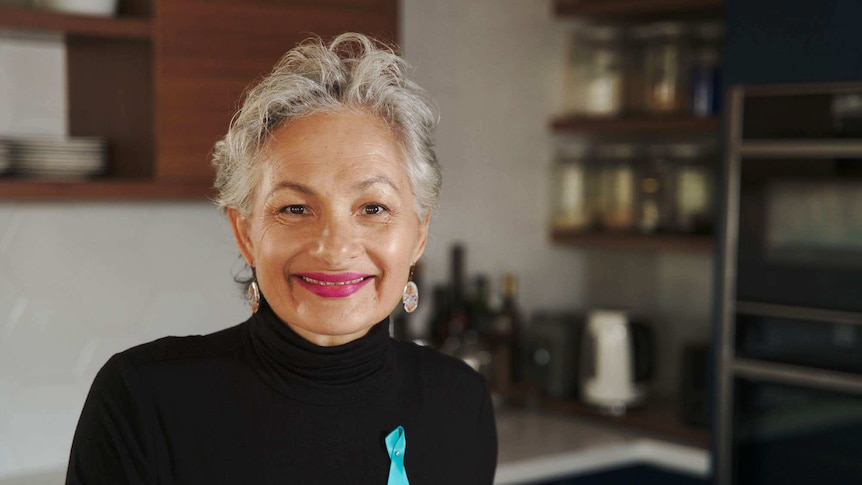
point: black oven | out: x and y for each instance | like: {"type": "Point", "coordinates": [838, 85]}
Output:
{"type": "Point", "coordinates": [790, 351]}
{"type": "Point", "coordinates": [797, 396]}
{"type": "Point", "coordinates": [800, 201]}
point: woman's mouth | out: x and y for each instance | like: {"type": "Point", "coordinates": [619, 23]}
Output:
{"type": "Point", "coordinates": [329, 285]}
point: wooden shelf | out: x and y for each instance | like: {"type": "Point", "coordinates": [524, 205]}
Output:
{"type": "Point", "coordinates": [634, 241]}
{"type": "Point", "coordinates": [91, 26]}
{"type": "Point", "coordinates": [660, 417]}
{"type": "Point", "coordinates": [106, 189]}
{"type": "Point", "coordinates": [637, 9]}
{"type": "Point", "coordinates": [634, 126]}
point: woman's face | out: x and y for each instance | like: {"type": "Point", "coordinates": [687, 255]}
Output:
{"type": "Point", "coordinates": [333, 230]}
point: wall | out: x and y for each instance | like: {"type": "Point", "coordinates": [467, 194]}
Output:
{"type": "Point", "coordinates": [80, 281]}
{"type": "Point", "coordinates": [495, 69]}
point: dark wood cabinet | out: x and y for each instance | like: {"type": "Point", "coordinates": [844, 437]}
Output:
{"type": "Point", "coordinates": [162, 80]}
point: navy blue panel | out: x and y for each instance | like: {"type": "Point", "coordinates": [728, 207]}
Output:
{"type": "Point", "coordinates": [781, 41]}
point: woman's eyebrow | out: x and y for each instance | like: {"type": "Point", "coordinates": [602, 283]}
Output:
{"type": "Point", "coordinates": [377, 179]}
{"type": "Point", "coordinates": [286, 184]}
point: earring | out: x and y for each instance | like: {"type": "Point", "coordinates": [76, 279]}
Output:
{"type": "Point", "coordinates": [410, 296]}
{"type": "Point", "coordinates": [253, 295]}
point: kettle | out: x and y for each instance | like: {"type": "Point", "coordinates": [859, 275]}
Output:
{"type": "Point", "coordinates": [617, 360]}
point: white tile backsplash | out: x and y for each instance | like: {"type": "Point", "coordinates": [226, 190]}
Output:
{"type": "Point", "coordinates": [82, 281]}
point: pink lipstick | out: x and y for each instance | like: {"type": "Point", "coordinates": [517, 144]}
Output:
{"type": "Point", "coordinates": [328, 285]}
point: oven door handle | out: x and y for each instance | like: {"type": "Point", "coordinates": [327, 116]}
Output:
{"type": "Point", "coordinates": [760, 370]}
{"type": "Point", "coordinates": [798, 313]}
{"type": "Point", "coordinates": [835, 148]}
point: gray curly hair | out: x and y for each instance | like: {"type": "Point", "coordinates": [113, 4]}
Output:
{"type": "Point", "coordinates": [353, 72]}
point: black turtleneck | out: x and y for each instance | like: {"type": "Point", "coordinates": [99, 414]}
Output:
{"type": "Point", "coordinates": [258, 404]}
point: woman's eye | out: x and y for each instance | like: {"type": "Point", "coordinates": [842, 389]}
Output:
{"type": "Point", "coordinates": [296, 210]}
{"type": "Point", "coordinates": [373, 209]}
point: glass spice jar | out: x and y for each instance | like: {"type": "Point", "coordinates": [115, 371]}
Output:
{"type": "Point", "coordinates": [655, 202]}
{"type": "Point", "coordinates": [665, 74]}
{"type": "Point", "coordinates": [617, 185]}
{"type": "Point", "coordinates": [693, 186]}
{"type": "Point", "coordinates": [572, 183]}
{"type": "Point", "coordinates": [594, 77]}
{"type": "Point", "coordinates": [706, 69]}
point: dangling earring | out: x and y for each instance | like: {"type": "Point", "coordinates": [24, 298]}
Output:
{"type": "Point", "coordinates": [253, 295]}
{"type": "Point", "coordinates": [410, 296]}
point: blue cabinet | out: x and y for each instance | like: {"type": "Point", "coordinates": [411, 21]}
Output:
{"type": "Point", "coordinates": [634, 475]}
{"type": "Point", "coordinates": [790, 41]}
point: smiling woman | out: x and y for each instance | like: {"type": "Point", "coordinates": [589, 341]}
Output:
{"type": "Point", "coordinates": [332, 230]}
{"type": "Point", "coordinates": [328, 177]}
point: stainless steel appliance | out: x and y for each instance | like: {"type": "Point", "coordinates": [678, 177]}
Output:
{"type": "Point", "coordinates": [616, 361]}
{"type": "Point", "coordinates": [790, 357]}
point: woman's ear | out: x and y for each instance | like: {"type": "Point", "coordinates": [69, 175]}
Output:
{"type": "Point", "coordinates": [241, 233]}
{"type": "Point", "coordinates": [423, 237]}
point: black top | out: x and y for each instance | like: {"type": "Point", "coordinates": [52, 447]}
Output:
{"type": "Point", "coordinates": [258, 404]}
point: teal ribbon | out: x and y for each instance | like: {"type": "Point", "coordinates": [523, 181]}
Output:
{"type": "Point", "coordinates": [396, 445]}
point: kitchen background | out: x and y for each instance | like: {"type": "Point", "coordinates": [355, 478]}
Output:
{"type": "Point", "coordinates": [80, 280]}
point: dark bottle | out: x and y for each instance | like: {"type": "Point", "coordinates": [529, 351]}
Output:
{"type": "Point", "coordinates": [504, 340]}
{"type": "Point", "coordinates": [458, 309]}
{"type": "Point", "coordinates": [481, 317]}
{"type": "Point", "coordinates": [473, 347]}
{"type": "Point", "coordinates": [438, 323]}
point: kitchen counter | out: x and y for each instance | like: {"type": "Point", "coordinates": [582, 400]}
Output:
{"type": "Point", "coordinates": [536, 446]}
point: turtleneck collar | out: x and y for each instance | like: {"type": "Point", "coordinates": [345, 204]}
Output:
{"type": "Point", "coordinates": [342, 374]}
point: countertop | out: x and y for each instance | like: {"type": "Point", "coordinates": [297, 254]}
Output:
{"type": "Point", "coordinates": [536, 446]}
{"type": "Point", "coordinates": [539, 445]}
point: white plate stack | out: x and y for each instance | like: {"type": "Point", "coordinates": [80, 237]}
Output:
{"type": "Point", "coordinates": [59, 157]}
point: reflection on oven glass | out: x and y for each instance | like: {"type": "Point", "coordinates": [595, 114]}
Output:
{"type": "Point", "coordinates": [788, 435]}
{"type": "Point", "coordinates": [813, 222]}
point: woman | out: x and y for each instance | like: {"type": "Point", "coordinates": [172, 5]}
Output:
{"type": "Point", "coordinates": [328, 177]}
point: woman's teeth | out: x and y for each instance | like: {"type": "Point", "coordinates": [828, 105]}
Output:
{"type": "Point", "coordinates": [331, 283]}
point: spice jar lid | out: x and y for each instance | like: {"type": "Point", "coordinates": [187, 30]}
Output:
{"type": "Point", "coordinates": [709, 30]}
{"type": "Point", "coordinates": [618, 151]}
{"type": "Point", "coordinates": [601, 33]}
{"type": "Point", "coordinates": [688, 150]}
{"type": "Point", "coordinates": [656, 151]}
{"type": "Point", "coordinates": [659, 29]}
{"type": "Point", "coordinates": [572, 150]}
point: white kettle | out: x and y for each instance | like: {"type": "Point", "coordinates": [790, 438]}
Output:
{"type": "Point", "coordinates": [616, 361]}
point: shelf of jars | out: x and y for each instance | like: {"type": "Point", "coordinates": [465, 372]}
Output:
{"type": "Point", "coordinates": [637, 155]}
{"type": "Point", "coordinates": [626, 9]}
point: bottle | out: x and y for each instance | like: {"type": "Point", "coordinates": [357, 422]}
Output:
{"type": "Point", "coordinates": [481, 317]}
{"type": "Point", "coordinates": [458, 314]}
{"type": "Point", "coordinates": [654, 197]}
{"type": "Point", "coordinates": [505, 338]}
{"type": "Point", "coordinates": [706, 69]}
{"type": "Point", "coordinates": [439, 319]}
{"type": "Point", "coordinates": [474, 347]}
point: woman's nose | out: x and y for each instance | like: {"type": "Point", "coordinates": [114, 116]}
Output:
{"type": "Point", "coordinates": [337, 242]}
